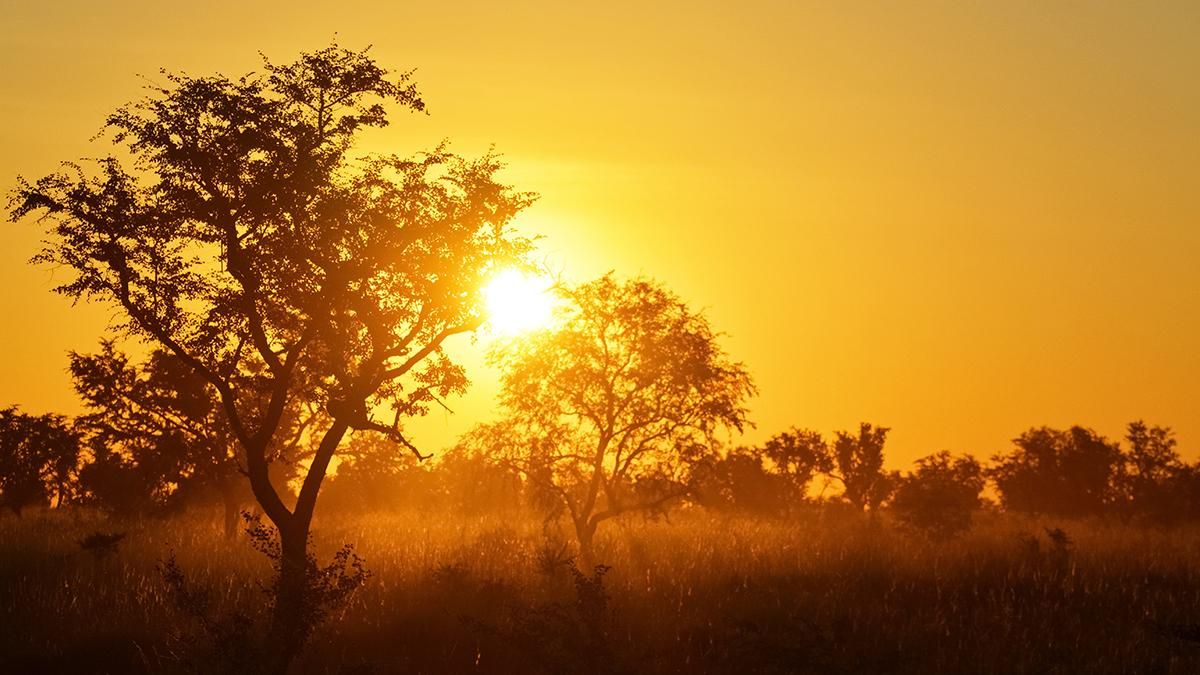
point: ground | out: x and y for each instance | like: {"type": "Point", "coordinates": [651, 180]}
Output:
{"type": "Point", "coordinates": [822, 592]}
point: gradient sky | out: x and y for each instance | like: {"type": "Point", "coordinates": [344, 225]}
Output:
{"type": "Point", "coordinates": [957, 219]}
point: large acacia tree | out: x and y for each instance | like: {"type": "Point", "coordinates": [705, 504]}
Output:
{"type": "Point", "coordinates": [611, 408]}
{"type": "Point", "coordinates": [242, 237]}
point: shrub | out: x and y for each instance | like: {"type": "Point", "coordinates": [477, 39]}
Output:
{"type": "Point", "coordinates": [940, 496]}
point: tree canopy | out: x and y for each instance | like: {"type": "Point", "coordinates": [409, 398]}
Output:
{"type": "Point", "coordinates": [1067, 473]}
{"type": "Point", "coordinates": [243, 238]}
{"type": "Point", "coordinates": [38, 455]}
{"type": "Point", "coordinates": [611, 407]}
{"type": "Point", "coordinates": [940, 496]}
{"type": "Point", "coordinates": [858, 462]}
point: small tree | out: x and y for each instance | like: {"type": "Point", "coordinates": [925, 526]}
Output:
{"type": "Point", "coordinates": [770, 479]}
{"type": "Point", "coordinates": [941, 495]}
{"type": "Point", "coordinates": [1156, 484]}
{"type": "Point", "coordinates": [858, 466]}
{"type": "Point", "coordinates": [1150, 462]}
{"type": "Point", "coordinates": [244, 240]}
{"type": "Point", "coordinates": [612, 408]}
{"type": "Point", "coordinates": [1067, 473]}
{"type": "Point", "coordinates": [38, 454]}
{"type": "Point", "coordinates": [798, 455]}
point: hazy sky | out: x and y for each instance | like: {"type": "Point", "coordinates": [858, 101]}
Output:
{"type": "Point", "coordinates": [958, 219]}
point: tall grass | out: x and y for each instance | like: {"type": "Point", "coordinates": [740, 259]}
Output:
{"type": "Point", "coordinates": [825, 593]}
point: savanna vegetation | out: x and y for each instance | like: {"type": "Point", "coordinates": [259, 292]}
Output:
{"type": "Point", "coordinates": [239, 494]}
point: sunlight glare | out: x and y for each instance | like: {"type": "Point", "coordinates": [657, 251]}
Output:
{"type": "Point", "coordinates": [517, 303]}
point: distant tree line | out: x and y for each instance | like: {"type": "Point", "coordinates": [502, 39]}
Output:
{"type": "Point", "coordinates": [1071, 473]}
{"type": "Point", "coordinates": [148, 445]}
{"type": "Point", "coordinates": [152, 440]}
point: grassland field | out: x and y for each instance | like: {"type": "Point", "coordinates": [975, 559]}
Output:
{"type": "Point", "coordinates": [822, 592]}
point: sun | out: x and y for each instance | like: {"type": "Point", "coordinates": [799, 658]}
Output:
{"type": "Point", "coordinates": [517, 302]}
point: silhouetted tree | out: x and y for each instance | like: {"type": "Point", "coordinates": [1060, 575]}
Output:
{"type": "Point", "coordinates": [858, 466]}
{"type": "Point", "coordinates": [38, 454]}
{"type": "Point", "coordinates": [244, 240]}
{"type": "Point", "coordinates": [799, 455]}
{"type": "Point", "coordinates": [1065, 473]}
{"type": "Point", "coordinates": [771, 479]}
{"type": "Point", "coordinates": [1155, 483]}
{"type": "Point", "coordinates": [940, 496]}
{"type": "Point", "coordinates": [1150, 461]}
{"type": "Point", "coordinates": [611, 408]}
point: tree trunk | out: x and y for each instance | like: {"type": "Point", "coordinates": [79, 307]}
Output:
{"type": "Point", "coordinates": [295, 610]}
{"type": "Point", "coordinates": [292, 613]}
{"type": "Point", "coordinates": [585, 534]}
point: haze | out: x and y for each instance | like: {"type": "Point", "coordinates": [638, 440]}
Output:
{"type": "Point", "coordinates": [957, 220]}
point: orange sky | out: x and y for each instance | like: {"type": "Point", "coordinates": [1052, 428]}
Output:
{"type": "Point", "coordinates": [957, 219]}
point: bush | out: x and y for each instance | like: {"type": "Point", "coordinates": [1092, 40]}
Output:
{"type": "Point", "coordinates": [940, 496]}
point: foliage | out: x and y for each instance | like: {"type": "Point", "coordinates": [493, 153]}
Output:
{"type": "Point", "coordinates": [372, 477]}
{"type": "Point", "coordinates": [1067, 473]}
{"type": "Point", "coordinates": [38, 455]}
{"type": "Point", "coordinates": [228, 646]}
{"type": "Point", "coordinates": [231, 640]}
{"type": "Point", "coordinates": [101, 544]}
{"type": "Point", "coordinates": [328, 587]}
{"type": "Point", "coordinates": [1155, 483]}
{"type": "Point", "coordinates": [940, 496]}
{"type": "Point", "coordinates": [245, 240]}
{"type": "Point", "coordinates": [858, 465]}
{"type": "Point", "coordinates": [1151, 455]}
{"type": "Point", "coordinates": [156, 432]}
{"type": "Point", "coordinates": [799, 455]}
{"type": "Point", "coordinates": [741, 482]}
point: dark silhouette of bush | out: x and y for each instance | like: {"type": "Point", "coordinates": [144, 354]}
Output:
{"type": "Point", "coordinates": [1065, 473]}
{"type": "Point", "coordinates": [799, 455]}
{"type": "Point", "coordinates": [1155, 484]}
{"type": "Point", "coordinates": [231, 639]}
{"type": "Point", "coordinates": [102, 545]}
{"type": "Point", "coordinates": [940, 496]}
{"type": "Point", "coordinates": [740, 482]}
{"type": "Point", "coordinates": [572, 635]}
{"type": "Point", "coordinates": [38, 456]}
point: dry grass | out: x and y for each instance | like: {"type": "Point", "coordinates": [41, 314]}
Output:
{"type": "Point", "coordinates": [701, 594]}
